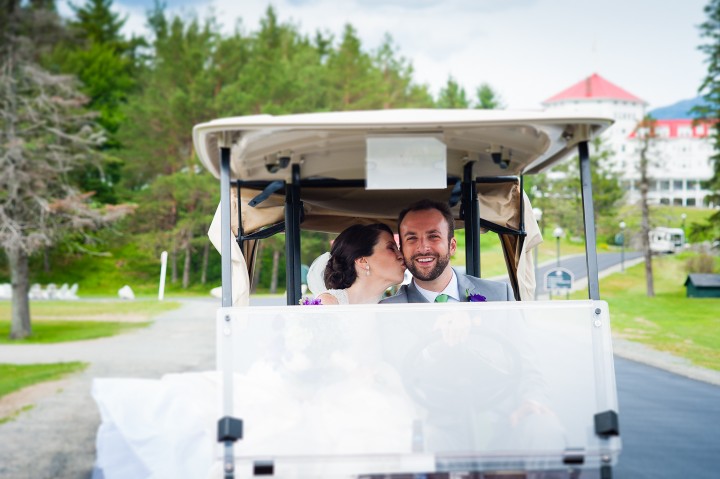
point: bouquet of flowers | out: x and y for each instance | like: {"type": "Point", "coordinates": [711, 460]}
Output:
{"type": "Point", "coordinates": [306, 301]}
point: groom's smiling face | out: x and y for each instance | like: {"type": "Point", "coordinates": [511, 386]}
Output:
{"type": "Point", "coordinates": [425, 245]}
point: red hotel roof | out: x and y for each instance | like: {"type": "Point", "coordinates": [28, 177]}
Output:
{"type": "Point", "coordinates": [594, 87]}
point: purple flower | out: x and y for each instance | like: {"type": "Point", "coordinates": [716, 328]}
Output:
{"type": "Point", "coordinates": [310, 301]}
{"type": "Point", "coordinates": [475, 298]}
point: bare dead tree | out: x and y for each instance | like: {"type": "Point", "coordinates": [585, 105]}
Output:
{"type": "Point", "coordinates": [647, 135]}
{"type": "Point", "coordinates": [45, 134]}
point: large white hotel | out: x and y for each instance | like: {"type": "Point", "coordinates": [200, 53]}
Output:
{"type": "Point", "coordinates": [679, 159]}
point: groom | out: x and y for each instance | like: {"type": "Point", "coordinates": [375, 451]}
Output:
{"type": "Point", "coordinates": [427, 241]}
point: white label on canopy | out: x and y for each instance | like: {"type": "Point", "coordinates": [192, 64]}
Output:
{"type": "Point", "coordinates": [405, 162]}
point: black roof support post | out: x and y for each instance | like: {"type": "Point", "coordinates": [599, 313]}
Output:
{"type": "Point", "coordinates": [226, 238]}
{"type": "Point", "coordinates": [589, 220]}
{"type": "Point", "coordinates": [293, 209]}
{"type": "Point", "coordinates": [228, 438]}
{"type": "Point", "coordinates": [471, 218]}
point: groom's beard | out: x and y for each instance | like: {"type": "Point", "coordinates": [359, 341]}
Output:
{"type": "Point", "coordinates": [440, 264]}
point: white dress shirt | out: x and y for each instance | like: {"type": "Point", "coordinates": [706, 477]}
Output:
{"type": "Point", "coordinates": [451, 290]}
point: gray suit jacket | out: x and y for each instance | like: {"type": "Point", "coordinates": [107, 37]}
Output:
{"type": "Point", "coordinates": [492, 290]}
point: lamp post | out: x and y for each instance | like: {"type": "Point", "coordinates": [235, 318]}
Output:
{"type": "Point", "coordinates": [538, 216]}
{"type": "Point", "coordinates": [557, 233]}
{"type": "Point", "coordinates": [622, 246]}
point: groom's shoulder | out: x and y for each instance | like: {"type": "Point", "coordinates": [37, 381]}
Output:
{"type": "Point", "coordinates": [476, 280]}
{"type": "Point", "coordinates": [499, 290]}
{"type": "Point", "coordinates": [399, 297]}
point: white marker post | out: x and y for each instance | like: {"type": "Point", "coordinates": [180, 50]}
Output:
{"type": "Point", "coordinates": [163, 269]}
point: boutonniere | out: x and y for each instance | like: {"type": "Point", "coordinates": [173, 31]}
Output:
{"type": "Point", "coordinates": [310, 302]}
{"type": "Point", "coordinates": [475, 298]}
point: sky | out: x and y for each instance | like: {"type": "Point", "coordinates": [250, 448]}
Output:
{"type": "Point", "coordinates": [527, 50]}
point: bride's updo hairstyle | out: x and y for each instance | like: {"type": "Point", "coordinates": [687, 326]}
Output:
{"type": "Point", "coordinates": [353, 243]}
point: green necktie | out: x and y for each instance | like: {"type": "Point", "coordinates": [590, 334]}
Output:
{"type": "Point", "coordinates": [441, 298]}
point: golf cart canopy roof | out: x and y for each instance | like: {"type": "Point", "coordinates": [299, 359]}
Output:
{"type": "Point", "coordinates": [335, 144]}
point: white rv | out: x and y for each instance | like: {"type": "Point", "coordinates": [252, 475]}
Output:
{"type": "Point", "coordinates": [666, 240]}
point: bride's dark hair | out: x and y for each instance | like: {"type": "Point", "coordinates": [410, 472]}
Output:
{"type": "Point", "coordinates": [353, 243]}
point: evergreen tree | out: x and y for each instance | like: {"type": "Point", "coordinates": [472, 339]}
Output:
{"type": "Point", "coordinates": [352, 81]}
{"type": "Point", "coordinates": [177, 92]}
{"type": "Point", "coordinates": [96, 52]}
{"type": "Point", "coordinates": [452, 96]}
{"type": "Point", "coordinates": [396, 84]}
{"type": "Point", "coordinates": [487, 98]}
{"type": "Point", "coordinates": [174, 214]}
{"type": "Point", "coordinates": [710, 110]}
{"type": "Point", "coordinates": [275, 70]}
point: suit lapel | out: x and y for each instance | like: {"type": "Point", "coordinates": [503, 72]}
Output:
{"type": "Point", "coordinates": [413, 295]}
{"type": "Point", "coordinates": [465, 287]}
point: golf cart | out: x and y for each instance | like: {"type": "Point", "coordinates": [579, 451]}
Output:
{"type": "Point", "coordinates": [523, 389]}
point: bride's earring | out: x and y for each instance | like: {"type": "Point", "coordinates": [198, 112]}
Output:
{"type": "Point", "coordinates": [367, 270]}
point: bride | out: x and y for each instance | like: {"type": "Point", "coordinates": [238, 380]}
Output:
{"type": "Point", "coordinates": [364, 261]}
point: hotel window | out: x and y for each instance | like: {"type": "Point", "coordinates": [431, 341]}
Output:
{"type": "Point", "coordinates": [690, 202]}
{"type": "Point", "coordinates": [684, 131]}
{"type": "Point", "coordinates": [664, 201]}
{"type": "Point", "coordinates": [692, 185]}
{"type": "Point", "coordinates": [665, 185]}
{"type": "Point", "coordinates": [662, 131]}
{"type": "Point", "coordinates": [678, 185]}
{"type": "Point", "coordinates": [677, 201]}
{"type": "Point", "coordinates": [700, 130]}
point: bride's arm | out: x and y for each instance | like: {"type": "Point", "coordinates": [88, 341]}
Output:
{"type": "Point", "coordinates": [326, 298]}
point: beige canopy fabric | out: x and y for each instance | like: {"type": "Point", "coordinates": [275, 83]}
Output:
{"type": "Point", "coordinates": [332, 209]}
{"type": "Point", "coordinates": [240, 268]}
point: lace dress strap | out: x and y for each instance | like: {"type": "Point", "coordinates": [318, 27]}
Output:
{"type": "Point", "coordinates": [339, 294]}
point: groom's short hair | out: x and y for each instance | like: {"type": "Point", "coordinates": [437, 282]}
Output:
{"type": "Point", "coordinates": [427, 204]}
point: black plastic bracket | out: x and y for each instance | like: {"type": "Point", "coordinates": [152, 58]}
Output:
{"type": "Point", "coordinates": [607, 424]}
{"type": "Point", "coordinates": [230, 429]}
{"type": "Point", "coordinates": [456, 194]}
{"type": "Point", "coordinates": [273, 187]}
{"type": "Point", "coordinates": [605, 472]}
{"type": "Point", "coordinates": [263, 468]}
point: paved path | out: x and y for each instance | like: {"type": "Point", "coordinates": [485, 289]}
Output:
{"type": "Point", "coordinates": [668, 425]}
{"type": "Point", "coordinates": [56, 438]}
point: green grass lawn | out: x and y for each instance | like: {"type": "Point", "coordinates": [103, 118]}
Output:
{"type": "Point", "coordinates": [59, 321]}
{"type": "Point", "coordinates": [14, 377]}
{"type": "Point", "coordinates": [89, 309]}
{"type": "Point", "coordinates": [45, 332]}
{"type": "Point", "coordinates": [671, 322]}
